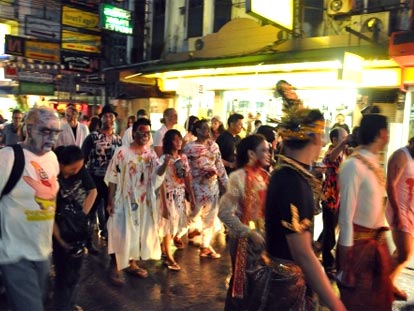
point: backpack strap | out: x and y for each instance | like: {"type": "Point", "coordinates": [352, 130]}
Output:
{"type": "Point", "coordinates": [17, 169]}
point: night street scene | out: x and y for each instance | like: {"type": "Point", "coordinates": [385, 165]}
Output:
{"type": "Point", "coordinates": [171, 155]}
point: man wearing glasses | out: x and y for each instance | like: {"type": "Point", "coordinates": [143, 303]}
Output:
{"type": "Point", "coordinates": [98, 149]}
{"type": "Point", "coordinates": [13, 132]}
{"type": "Point", "coordinates": [28, 212]}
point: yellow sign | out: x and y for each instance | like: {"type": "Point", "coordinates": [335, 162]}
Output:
{"type": "Point", "coordinates": [42, 51]}
{"type": "Point", "coordinates": [76, 41]}
{"type": "Point", "coordinates": [80, 19]}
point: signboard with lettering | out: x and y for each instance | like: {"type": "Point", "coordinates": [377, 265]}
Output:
{"type": "Point", "coordinates": [80, 19]}
{"type": "Point", "coordinates": [116, 19]}
{"type": "Point", "coordinates": [42, 28]}
{"type": "Point", "coordinates": [41, 50]}
{"type": "Point", "coordinates": [82, 42]}
{"type": "Point", "coordinates": [79, 62]}
{"type": "Point", "coordinates": [14, 45]}
{"type": "Point", "coordinates": [31, 88]}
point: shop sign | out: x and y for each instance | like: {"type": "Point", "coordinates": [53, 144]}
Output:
{"type": "Point", "coordinates": [30, 76]}
{"type": "Point", "coordinates": [92, 4]}
{"type": "Point", "coordinates": [81, 42]}
{"type": "Point", "coordinates": [116, 19]}
{"type": "Point", "coordinates": [8, 11]}
{"type": "Point", "coordinates": [47, 51]}
{"type": "Point", "coordinates": [40, 50]}
{"type": "Point", "coordinates": [14, 45]}
{"type": "Point", "coordinates": [80, 19]}
{"type": "Point", "coordinates": [78, 62]}
{"type": "Point", "coordinates": [10, 72]}
{"type": "Point", "coordinates": [31, 88]}
{"type": "Point", "coordinates": [42, 28]}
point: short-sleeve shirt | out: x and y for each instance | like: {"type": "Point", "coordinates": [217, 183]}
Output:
{"type": "Point", "coordinates": [76, 186]}
{"type": "Point", "coordinates": [98, 149]}
{"type": "Point", "coordinates": [227, 144]}
{"type": "Point", "coordinates": [288, 195]}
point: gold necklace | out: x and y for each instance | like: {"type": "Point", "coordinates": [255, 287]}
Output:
{"type": "Point", "coordinates": [313, 182]}
{"type": "Point", "coordinates": [376, 170]}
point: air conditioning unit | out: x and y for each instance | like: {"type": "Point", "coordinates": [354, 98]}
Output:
{"type": "Point", "coordinates": [338, 7]}
{"type": "Point", "coordinates": [195, 44]}
{"type": "Point", "coordinates": [401, 48]}
{"type": "Point", "coordinates": [373, 25]}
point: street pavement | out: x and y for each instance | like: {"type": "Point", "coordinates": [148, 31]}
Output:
{"type": "Point", "coordinates": [201, 285]}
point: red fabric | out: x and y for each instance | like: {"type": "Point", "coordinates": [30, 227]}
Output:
{"type": "Point", "coordinates": [372, 267]}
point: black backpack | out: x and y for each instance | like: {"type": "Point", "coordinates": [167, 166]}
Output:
{"type": "Point", "coordinates": [17, 169]}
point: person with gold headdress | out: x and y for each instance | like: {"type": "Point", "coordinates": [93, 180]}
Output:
{"type": "Point", "coordinates": [363, 256]}
{"type": "Point", "coordinates": [290, 205]}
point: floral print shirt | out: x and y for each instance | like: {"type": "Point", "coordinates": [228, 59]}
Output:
{"type": "Point", "coordinates": [204, 160]}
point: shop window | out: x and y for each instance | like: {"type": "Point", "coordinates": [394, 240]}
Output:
{"type": "Point", "coordinates": [195, 18]}
{"type": "Point", "coordinates": [222, 13]}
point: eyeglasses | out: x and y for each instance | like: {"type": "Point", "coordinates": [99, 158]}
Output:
{"type": "Point", "coordinates": [45, 132]}
{"type": "Point", "coordinates": [142, 134]}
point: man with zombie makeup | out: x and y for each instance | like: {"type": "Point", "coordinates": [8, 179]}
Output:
{"type": "Point", "coordinates": [28, 212]}
{"type": "Point", "coordinates": [132, 225]}
{"type": "Point", "coordinates": [98, 149]}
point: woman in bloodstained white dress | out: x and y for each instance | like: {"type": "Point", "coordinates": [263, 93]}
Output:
{"type": "Point", "coordinates": [177, 182]}
{"type": "Point", "coordinates": [132, 225]}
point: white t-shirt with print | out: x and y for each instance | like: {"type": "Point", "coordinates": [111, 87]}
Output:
{"type": "Point", "coordinates": [28, 211]}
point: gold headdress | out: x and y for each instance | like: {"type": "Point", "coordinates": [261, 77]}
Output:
{"type": "Point", "coordinates": [297, 122]}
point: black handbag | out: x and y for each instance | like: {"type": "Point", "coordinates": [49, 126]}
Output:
{"type": "Point", "coordinates": [276, 284]}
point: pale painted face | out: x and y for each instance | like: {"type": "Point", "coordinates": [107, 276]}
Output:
{"type": "Point", "coordinates": [43, 133]}
{"type": "Point", "coordinates": [142, 135]}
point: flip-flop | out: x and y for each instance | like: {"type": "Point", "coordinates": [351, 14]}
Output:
{"type": "Point", "coordinates": [138, 272]}
{"type": "Point", "coordinates": [173, 266]}
{"type": "Point", "coordinates": [210, 254]}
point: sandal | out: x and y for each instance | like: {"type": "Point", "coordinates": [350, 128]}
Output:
{"type": "Point", "coordinates": [138, 272]}
{"type": "Point", "coordinates": [173, 266]}
{"type": "Point", "coordinates": [209, 252]}
{"type": "Point", "coordinates": [116, 278]}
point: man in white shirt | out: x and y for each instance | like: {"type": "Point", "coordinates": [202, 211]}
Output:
{"type": "Point", "coordinates": [169, 119]}
{"type": "Point", "coordinates": [364, 257]}
{"type": "Point", "coordinates": [73, 132]}
{"type": "Point", "coordinates": [28, 213]}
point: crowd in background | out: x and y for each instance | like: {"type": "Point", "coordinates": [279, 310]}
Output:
{"type": "Point", "coordinates": [142, 191]}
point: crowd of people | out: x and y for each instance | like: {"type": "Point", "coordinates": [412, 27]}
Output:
{"type": "Point", "coordinates": [143, 193]}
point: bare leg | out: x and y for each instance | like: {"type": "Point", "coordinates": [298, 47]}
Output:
{"type": "Point", "coordinates": [404, 243]}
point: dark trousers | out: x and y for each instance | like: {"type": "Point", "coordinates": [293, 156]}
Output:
{"type": "Point", "coordinates": [67, 269]}
{"type": "Point", "coordinates": [99, 208]}
{"type": "Point", "coordinates": [330, 221]}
